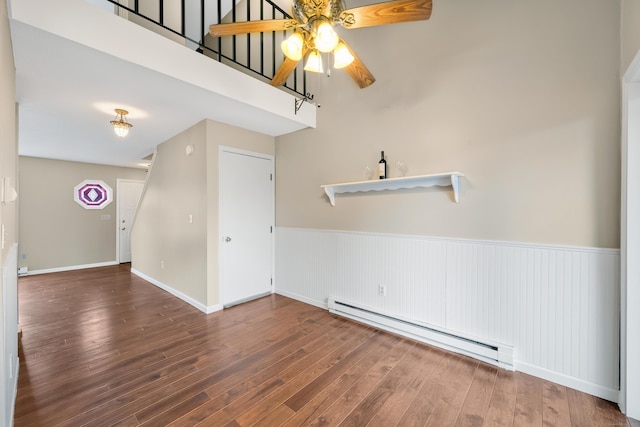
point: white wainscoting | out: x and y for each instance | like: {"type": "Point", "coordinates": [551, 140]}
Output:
{"type": "Point", "coordinates": [557, 306]}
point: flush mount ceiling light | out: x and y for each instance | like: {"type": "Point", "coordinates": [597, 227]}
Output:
{"type": "Point", "coordinates": [120, 125]}
{"type": "Point", "coordinates": [313, 22]}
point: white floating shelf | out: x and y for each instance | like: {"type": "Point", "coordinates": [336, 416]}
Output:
{"type": "Point", "coordinates": [440, 179]}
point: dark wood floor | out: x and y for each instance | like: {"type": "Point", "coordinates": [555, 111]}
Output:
{"type": "Point", "coordinates": [101, 347]}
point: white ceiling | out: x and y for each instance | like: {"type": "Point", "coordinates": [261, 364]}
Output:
{"type": "Point", "coordinates": [67, 93]}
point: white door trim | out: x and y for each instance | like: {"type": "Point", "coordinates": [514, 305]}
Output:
{"type": "Point", "coordinates": [118, 181]}
{"type": "Point", "coordinates": [222, 149]}
{"type": "Point", "coordinates": [629, 400]}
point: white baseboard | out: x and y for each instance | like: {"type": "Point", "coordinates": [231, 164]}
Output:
{"type": "Point", "coordinates": [71, 268]}
{"type": "Point", "coordinates": [321, 304]}
{"type": "Point", "coordinates": [568, 381]}
{"type": "Point", "coordinates": [203, 308]}
{"type": "Point", "coordinates": [214, 308]}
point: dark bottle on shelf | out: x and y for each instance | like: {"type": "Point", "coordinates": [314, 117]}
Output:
{"type": "Point", "coordinates": [382, 166]}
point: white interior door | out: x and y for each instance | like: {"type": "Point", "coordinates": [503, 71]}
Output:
{"type": "Point", "coordinates": [246, 225]}
{"type": "Point", "coordinates": [128, 197]}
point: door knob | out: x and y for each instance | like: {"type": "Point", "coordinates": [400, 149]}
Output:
{"type": "Point", "coordinates": [227, 239]}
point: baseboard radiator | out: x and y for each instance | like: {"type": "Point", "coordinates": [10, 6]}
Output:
{"type": "Point", "coordinates": [494, 353]}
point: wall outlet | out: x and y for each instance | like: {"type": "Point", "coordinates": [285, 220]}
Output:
{"type": "Point", "coordinates": [382, 290]}
{"type": "Point", "coordinates": [162, 265]}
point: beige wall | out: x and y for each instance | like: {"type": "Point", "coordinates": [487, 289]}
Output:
{"type": "Point", "coordinates": [521, 97]}
{"type": "Point", "coordinates": [55, 231]}
{"type": "Point", "coordinates": [180, 185]}
{"type": "Point", "coordinates": [164, 245]}
{"type": "Point", "coordinates": [9, 221]}
{"type": "Point", "coordinates": [629, 33]}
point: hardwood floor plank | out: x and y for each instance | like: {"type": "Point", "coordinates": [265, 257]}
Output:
{"type": "Point", "coordinates": [528, 410]}
{"type": "Point", "coordinates": [242, 383]}
{"type": "Point", "coordinates": [360, 402]}
{"type": "Point", "coordinates": [425, 401]}
{"type": "Point", "coordinates": [102, 347]}
{"type": "Point", "coordinates": [303, 396]}
{"type": "Point", "coordinates": [476, 403]}
{"type": "Point", "coordinates": [609, 413]}
{"type": "Point", "coordinates": [300, 372]}
{"type": "Point", "coordinates": [277, 417]}
{"type": "Point", "coordinates": [332, 392]}
{"type": "Point", "coordinates": [283, 370]}
{"type": "Point", "coordinates": [454, 392]}
{"type": "Point", "coordinates": [176, 411]}
{"type": "Point", "coordinates": [398, 402]}
{"type": "Point", "coordinates": [131, 421]}
{"type": "Point", "coordinates": [503, 399]}
{"type": "Point", "coordinates": [555, 406]}
{"type": "Point", "coordinates": [201, 379]}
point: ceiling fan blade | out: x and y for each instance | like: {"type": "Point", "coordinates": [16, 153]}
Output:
{"type": "Point", "coordinates": [218, 30]}
{"type": "Point", "coordinates": [288, 65]}
{"type": "Point", "coordinates": [358, 71]}
{"type": "Point", "coordinates": [390, 12]}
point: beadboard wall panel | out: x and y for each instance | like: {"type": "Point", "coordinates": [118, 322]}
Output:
{"type": "Point", "coordinates": [557, 306]}
{"type": "Point", "coordinates": [308, 270]}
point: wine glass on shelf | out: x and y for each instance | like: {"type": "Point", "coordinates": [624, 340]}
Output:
{"type": "Point", "coordinates": [368, 173]}
{"type": "Point", "coordinates": [402, 168]}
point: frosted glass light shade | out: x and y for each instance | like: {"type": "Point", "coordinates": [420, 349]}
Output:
{"type": "Point", "coordinates": [314, 63]}
{"type": "Point", "coordinates": [326, 38]}
{"type": "Point", "coordinates": [292, 46]}
{"type": "Point", "coordinates": [121, 129]}
{"type": "Point", "coordinates": [120, 125]}
{"type": "Point", "coordinates": [341, 56]}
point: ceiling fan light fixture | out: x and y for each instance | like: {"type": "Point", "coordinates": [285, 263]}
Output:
{"type": "Point", "coordinates": [314, 63]}
{"type": "Point", "coordinates": [326, 39]}
{"type": "Point", "coordinates": [292, 46]}
{"type": "Point", "coordinates": [341, 56]}
{"type": "Point", "coordinates": [120, 125]}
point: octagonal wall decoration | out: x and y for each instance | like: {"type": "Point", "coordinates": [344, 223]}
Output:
{"type": "Point", "coordinates": [92, 194]}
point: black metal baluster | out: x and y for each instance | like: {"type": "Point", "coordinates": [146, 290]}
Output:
{"type": "Point", "coordinates": [295, 78]}
{"type": "Point", "coordinates": [182, 18]}
{"type": "Point", "coordinates": [262, 40]}
{"type": "Point", "coordinates": [161, 18]}
{"type": "Point", "coordinates": [219, 38]}
{"type": "Point", "coordinates": [202, 26]}
{"type": "Point", "coordinates": [304, 83]}
{"type": "Point", "coordinates": [248, 35]}
{"type": "Point", "coordinates": [273, 43]}
{"type": "Point", "coordinates": [233, 19]}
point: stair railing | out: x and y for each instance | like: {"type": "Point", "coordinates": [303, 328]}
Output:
{"type": "Point", "coordinates": [187, 21]}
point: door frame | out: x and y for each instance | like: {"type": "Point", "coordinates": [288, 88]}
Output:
{"type": "Point", "coordinates": [629, 400]}
{"type": "Point", "coordinates": [118, 182]}
{"type": "Point", "coordinates": [233, 150]}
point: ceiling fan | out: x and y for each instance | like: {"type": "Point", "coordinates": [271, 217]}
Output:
{"type": "Point", "coordinates": [314, 33]}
